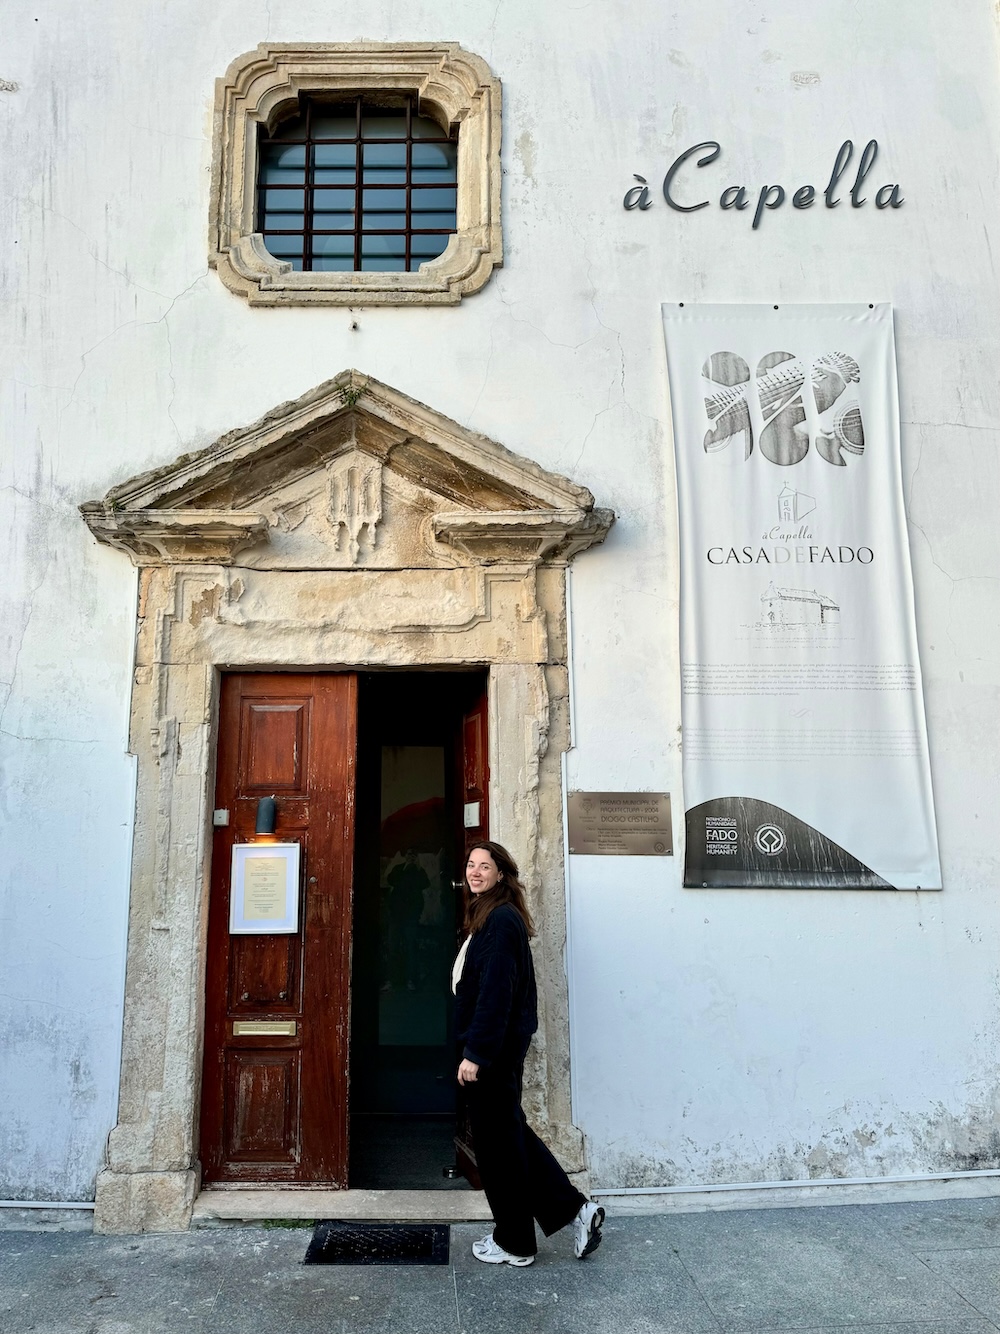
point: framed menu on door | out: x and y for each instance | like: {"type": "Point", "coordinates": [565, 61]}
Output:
{"type": "Point", "coordinates": [264, 896]}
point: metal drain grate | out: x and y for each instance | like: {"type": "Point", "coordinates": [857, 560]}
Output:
{"type": "Point", "coordinates": [338, 1243]}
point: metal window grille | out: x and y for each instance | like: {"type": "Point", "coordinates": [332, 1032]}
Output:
{"type": "Point", "coordinates": [355, 185]}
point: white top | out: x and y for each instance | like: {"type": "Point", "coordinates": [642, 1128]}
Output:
{"type": "Point", "coordinates": [459, 964]}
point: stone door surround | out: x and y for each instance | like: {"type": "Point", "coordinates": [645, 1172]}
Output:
{"type": "Point", "coordinates": [353, 528]}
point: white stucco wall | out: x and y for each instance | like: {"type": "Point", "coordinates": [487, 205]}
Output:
{"type": "Point", "coordinates": [739, 1035]}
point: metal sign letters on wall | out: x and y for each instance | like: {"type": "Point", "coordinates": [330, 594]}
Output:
{"type": "Point", "coordinates": [770, 196]}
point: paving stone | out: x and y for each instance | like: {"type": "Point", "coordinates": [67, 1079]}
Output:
{"type": "Point", "coordinates": [270, 1291]}
{"type": "Point", "coordinates": [908, 1327]}
{"type": "Point", "coordinates": [71, 1282]}
{"type": "Point", "coordinates": [622, 1288]}
{"type": "Point", "coordinates": [864, 1269]}
{"type": "Point", "coordinates": [796, 1268]}
{"type": "Point", "coordinates": [939, 1225]}
{"type": "Point", "coordinates": [973, 1273]}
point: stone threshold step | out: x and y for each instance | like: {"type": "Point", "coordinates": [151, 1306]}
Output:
{"type": "Point", "coordinates": [229, 1208]}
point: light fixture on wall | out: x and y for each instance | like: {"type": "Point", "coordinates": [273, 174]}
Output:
{"type": "Point", "coordinates": [267, 816]}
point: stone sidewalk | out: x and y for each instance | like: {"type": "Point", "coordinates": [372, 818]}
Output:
{"type": "Point", "coordinates": [920, 1268]}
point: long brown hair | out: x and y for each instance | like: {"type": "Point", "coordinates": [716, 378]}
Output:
{"type": "Point", "coordinates": [508, 889]}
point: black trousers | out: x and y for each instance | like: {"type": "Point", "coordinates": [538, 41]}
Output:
{"type": "Point", "coordinates": [521, 1178]}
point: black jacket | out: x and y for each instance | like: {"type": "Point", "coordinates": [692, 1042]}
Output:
{"type": "Point", "coordinates": [496, 1005]}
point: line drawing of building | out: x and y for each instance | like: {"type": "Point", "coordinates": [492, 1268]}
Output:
{"type": "Point", "coordinates": [798, 606]}
{"type": "Point", "coordinates": [794, 505]}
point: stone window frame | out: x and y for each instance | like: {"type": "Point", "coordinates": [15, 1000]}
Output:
{"type": "Point", "coordinates": [454, 86]}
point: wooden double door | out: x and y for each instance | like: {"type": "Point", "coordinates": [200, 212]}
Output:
{"type": "Point", "coordinates": [275, 1086]}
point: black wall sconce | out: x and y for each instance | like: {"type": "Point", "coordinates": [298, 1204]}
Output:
{"type": "Point", "coordinates": [267, 815]}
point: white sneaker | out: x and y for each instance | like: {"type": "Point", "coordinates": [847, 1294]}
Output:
{"type": "Point", "coordinates": [587, 1229]}
{"type": "Point", "coordinates": [490, 1253]}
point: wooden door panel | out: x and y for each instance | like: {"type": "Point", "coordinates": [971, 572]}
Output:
{"type": "Point", "coordinates": [262, 1104]}
{"type": "Point", "coordinates": [476, 769]}
{"type": "Point", "coordinates": [274, 1105]}
{"type": "Point", "coordinates": [473, 750]}
{"type": "Point", "coordinates": [264, 972]}
{"type": "Point", "coordinates": [274, 740]}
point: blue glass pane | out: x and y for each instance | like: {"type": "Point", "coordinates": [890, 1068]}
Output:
{"type": "Point", "coordinates": [331, 247]}
{"type": "Point", "coordinates": [385, 246]}
{"type": "Point", "coordinates": [434, 221]}
{"type": "Point", "coordinates": [383, 222]}
{"type": "Point", "coordinates": [427, 247]}
{"type": "Point", "coordinates": [334, 124]}
{"type": "Point", "coordinates": [283, 201]}
{"type": "Point", "coordinates": [284, 247]}
{"type": "Point", "coordinates": [433, 199]}
{"type": "Point", "coordinates": [328, 265]}
{"type": "Point", "coordinates": [281, 176]}
{"type": "Point", "coordinates": [334, 155]}
{"type": "Point", "coordinates": [425, 128]}
{"type": "Point", "coordinates": [284, 222]}
{"type": "Point", "coordinates": [385, 175]}
{"type": "Point", "coordinates": [333, 222]}
{"type": "Point", "coordinates": [433, 175]}
{"type": "Point", "coordinates": [385, 155]}
{"type": "Point", "coordinates": [435, 155]}
{"type": "Point", "coordinates": [295, 128]}
{"type": "Point", "coordinates": [383, 123]}
{"type": "Point", "coordinates": [333, 199]}
{"type": "Point", "coordinates": [275, 156]}
{"type": "Point", "coordinates": [333, 175]}
{"type": "Point", "coordinates": [383, 265]}
{"type": "Point", "coordinates": [384, 199]}
{"type": "Point", "coordinates": [333, 210]}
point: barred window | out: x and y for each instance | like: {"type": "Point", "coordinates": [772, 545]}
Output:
{"type": "Point", "coordinates": [355, 185]}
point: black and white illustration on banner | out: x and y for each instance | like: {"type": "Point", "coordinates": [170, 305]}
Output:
{"type": "Point", "coordinates": [799, 610]}
{"type": "Point", "coordinates": [805, 748]}
{"type": "Point", "coordinates": [782, 391]}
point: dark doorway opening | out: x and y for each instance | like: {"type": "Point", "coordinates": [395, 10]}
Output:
{"type": "Point", "coordinates": [412, 822]}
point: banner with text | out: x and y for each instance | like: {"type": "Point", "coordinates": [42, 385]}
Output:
{"type": "Point", "coordinates": [805, 744]}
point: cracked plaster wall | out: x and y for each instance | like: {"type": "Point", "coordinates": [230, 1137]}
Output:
{"type": "Point", "coordinates": [729, 1036]}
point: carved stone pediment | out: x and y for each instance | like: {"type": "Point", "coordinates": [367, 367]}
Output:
{"type": "Point", "coordinates": [521, 536]}
{"type": "Point", "coordinates": [165, 537]}
{"type": "Point", "coordinates": [353, 473]}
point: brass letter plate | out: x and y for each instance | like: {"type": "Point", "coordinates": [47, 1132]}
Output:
{"type": "Point", "coordinates": [620, 824]}
{"type": "Point", "coordinates": [263, 1028]}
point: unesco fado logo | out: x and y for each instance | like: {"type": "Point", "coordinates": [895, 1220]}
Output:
{"type": "Point", "coordinates": [769, 839]}
{"type": "Point", "coordinates": [722, 838]}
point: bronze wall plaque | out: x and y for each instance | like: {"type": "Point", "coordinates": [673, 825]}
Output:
{"type": "Point", "coordinates": [620, 824]}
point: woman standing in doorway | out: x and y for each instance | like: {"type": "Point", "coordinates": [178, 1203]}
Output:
{"type": "Point", "coordinates": [495, 1016]}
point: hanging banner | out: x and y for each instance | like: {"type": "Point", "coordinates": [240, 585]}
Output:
{"type": "Point", "coordinates": [805, 744]}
